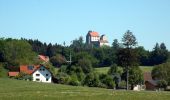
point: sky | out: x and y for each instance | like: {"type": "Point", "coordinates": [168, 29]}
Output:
{"type": "Point", "coordinates": [56, 21]}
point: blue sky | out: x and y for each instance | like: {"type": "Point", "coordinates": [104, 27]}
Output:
{"type": "Point", "coordinates": [57, 21]}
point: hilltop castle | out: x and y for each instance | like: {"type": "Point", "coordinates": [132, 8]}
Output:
{"type": "Point", "coordinates": [93, 38]}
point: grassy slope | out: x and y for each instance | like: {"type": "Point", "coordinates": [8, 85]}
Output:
{"type": "Point", "coordinates": [23, 90]}
{"type": "Point", "coordinates": [105, 69]}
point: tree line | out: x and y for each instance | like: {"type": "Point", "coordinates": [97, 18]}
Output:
{"type": "Point", "coordinates": [124, 59]}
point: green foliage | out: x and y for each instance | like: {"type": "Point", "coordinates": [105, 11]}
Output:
{"type": "Point", "coordinates": [135, 76]}
{"type": "Point", "coordinates": [86, 65]}
{"type": "Point", "coordinates": [129, 40]}
{"type": "Point", "coordinates": [116, 73]}
{"type": "Point", "coordinates": [16, 52]}
{"type": "Point", "coordinates": [78, 44]}
{"type": "Point", "coordinates": [3, 71]}
{"type": "Point", "coordinates": [58, 60]}
{"type": "Point", "coordinates": [62, 78]}
{"type": "Point", "coordinates": [91, 80]}
{"type": "Point", "coordinates": [24, 76]}
{"type": "Point", "coordinates": [159, 54]}
{"type": "Point", "coordinates": [85, 55]}
{"type": "Point", "coordinates": [74, 80]}
{"type": "Point", "coordinates": [122, 84]}
{"type": "Point", "coordinates": [63, 69]}
{"type": "Point", "coordinates": [162, 84]}
{"type": "Point", "coordinates": [114, 69]}
{"type": "Point", "coordinates": [107, 80]}
{"type": "Point", "coordinates": [75, 70]}
{"type": "Point", "coordinates": [162, 72]}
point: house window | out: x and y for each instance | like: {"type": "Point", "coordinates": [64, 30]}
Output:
{"type": "Point", "coordinates": [30, 67]}
{"type": "Point", "coordinates": [37, 79]}
{"type": "Point", "coordinates": [46, 74]}
{"type": "Point", "coordinates": [37, 74]}
{"type": "Point", "coordinates": [47, 79]}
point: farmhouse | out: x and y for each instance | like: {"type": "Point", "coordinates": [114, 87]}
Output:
{"type": "Point", "coordinates": [150, 84]}
{"type": "Point", "coordinates": [39, 73]}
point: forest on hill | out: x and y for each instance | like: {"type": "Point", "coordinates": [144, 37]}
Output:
{"type": "Point", "coordinates": [80, 59]}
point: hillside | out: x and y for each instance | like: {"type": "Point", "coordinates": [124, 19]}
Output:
{"type": "Point", "coordinates": [105, 69]}
{"type": "Point", "coordinates": [24, 90]}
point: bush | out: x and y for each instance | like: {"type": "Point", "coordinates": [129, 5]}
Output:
{"type": "Point", "coordinates": [107, 80]}
{"type": "Point", "coordinates": [91, 80]}
{"type": "Point", "coordinates": [74, 81]}
{"type": "Point", "coordinates": [62, 78]}
{"type": "Point", "coordinates": [63, 69]}
{"type": "Point", "coordinates": [162, 84]}
{"type": "Point", "coordinates": [3, 71]}
{"type": "Point", "coordinates": [58, 60]}
{"type": "Point", "coordinates": [24, 76]}
{"type": "Point", "coordinates": [122, 84]}
{"type": "Point", "coordinates": [86, 65]}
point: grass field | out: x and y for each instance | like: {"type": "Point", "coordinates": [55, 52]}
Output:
{"type": "Point", "coordinates": [105, 69]}
{"type": "Point", "coordinates": [24, 90]}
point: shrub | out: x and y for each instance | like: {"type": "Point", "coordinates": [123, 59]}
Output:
{"type": "Point", "coordinates": [122, 84]}
{"type": "Point", "coordinates": [107, 80]}
{"type": "Point", "coordinates": [91, 80]}
{"type": "Point", "coordinates": [162, 84]}
{"type": "Point", "coordinates": [73, 80]}
{"type": "Point", "coordinates": [24, 76]}
{"type": "Point", "coordinates": [63, 69]}
{"type": "Point", "coordinates": [58, 60]}
{"type": "Point", "coordinates": [86, 65]}
{"type": "Point", "coordinates": [62, 78]}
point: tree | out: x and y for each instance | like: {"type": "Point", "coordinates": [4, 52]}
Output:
{"type": "Point", "coordinates": [50, 50]}
{"type": "Point", "coordinates": [144, 56]}
{"type": "Point", "coordinates": [159, 54]}
{"type": "Point", "coordinates": [115, 44]}
{"type": "Point", "coordinates": [135, 76]}
{"type": "Point", "coordinates": [116, 73]}
{"type": "Point", "coordinates": [85, 55]}
{"type": "Point", "coordinates": [107, 80]}
{"type": "Point", "coordinates": [18, 52]}
{"type": "Point", "coordinates": [57, 60]}
{"type": "Point", "coordinates": [162, 72]}
{"type": "Point", "coordinates": [86, 65]}
{"type": "Point", "coordinates": [78, 44]}
{"type": "Point", "coordinates": [91, 80]}
{"type": "Point", "coordinates": [127, 56]}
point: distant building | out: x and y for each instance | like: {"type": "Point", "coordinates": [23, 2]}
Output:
{"type": "Point", "coordinates": [13, 74]}
{"type": "Point", "coordinates": [103, 41]}
{"type": "Point", "coordinates": [150, 84]}
{"type": "Point", "coordinates": [93, 38]}
{"type": "Point", "coordinates": [39, 73]}
{"type": "Point", "coordinates": [43, 58]}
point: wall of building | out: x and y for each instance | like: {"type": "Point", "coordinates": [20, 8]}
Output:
{"type": "Point", "coordinates": [42, 75]}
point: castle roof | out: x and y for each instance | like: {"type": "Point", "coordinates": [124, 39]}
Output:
{"type": "Point", "coordinates": [94, 34]}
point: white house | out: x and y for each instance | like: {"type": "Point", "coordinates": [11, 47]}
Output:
{"type": "Point", "coordinates": [42, 74]}
{"type": "Point", "coordinates": [39, 73]}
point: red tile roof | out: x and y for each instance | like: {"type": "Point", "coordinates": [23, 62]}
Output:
{"type": "Point", "coordinates": [43, 58]}
{"type": "Point", "coordinates": [13, 73]}
{"type": "Point", "coordinates": [25, 68]}
{"type": "Point", "coordinates": [94, 34]}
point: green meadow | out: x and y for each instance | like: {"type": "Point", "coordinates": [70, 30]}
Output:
{"type": "Point", "coordinates": [104, 70]}
{"type": "Point", "coordinates": [11, 89]}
